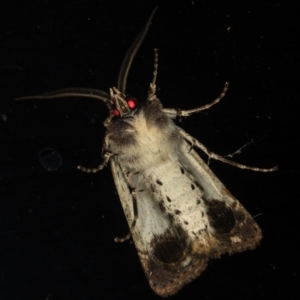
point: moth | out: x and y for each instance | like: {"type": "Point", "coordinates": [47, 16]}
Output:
{"type": "Point", "coordinates": [179, 213]}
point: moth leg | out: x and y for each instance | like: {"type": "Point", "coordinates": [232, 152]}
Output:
{"type": "Point", "coordinates": [238, 151]}
{"type": "Point", "coordinates": [107, 155]}
{"type": "Point", "coordinates": [215, 156]}
{"type": "Point", "coordinates": [135, 216]}
{"type": "Point", "coordinates": [185, 113]}
{"type": "Point", "coordinates": [122, 240]}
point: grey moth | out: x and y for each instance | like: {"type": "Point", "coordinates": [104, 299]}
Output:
{"type": "Point", "coordinates": [179, 213]}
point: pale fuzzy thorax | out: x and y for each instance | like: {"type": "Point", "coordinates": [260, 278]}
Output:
{"type": "Point", "coordinates": [145, 138]}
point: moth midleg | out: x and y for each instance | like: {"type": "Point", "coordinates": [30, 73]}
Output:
{"type": "Point", "coordinates": [133, 193]}
{"type": "Point", "coordinates": [185, 113]}
{"type": "Point", "coordinates": [215, 156]}
{"type": "Point", "coordinates": [135, 216]}
{"type": "Point", "coordinates": [106, 156]}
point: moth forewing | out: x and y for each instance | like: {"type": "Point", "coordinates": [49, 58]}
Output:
{"type": "Point", "coordinates": [162, 245]}
{"type": "Point", "coordinates": [179, 213]}
{"type": "Point", "coordinates": [230, 224]}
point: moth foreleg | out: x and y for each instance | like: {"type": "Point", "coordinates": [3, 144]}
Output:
{"type": "Point", "coordinates": [185, 113]}
{"type": "Point", "coordinates": [215, 156]}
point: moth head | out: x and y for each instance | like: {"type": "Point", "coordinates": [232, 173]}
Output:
{"type": "Point", "coordinates": [120, 105]}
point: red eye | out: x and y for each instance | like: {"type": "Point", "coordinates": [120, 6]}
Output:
{"type": "Point", "coordinates": [116, 112]}
{"type": "Point", "coordinates": [132, 103]}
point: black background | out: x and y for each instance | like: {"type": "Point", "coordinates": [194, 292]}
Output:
{"type": "Point", "coordinates": [57, 224]}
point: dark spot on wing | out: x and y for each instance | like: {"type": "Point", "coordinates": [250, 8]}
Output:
{"type": "Point", "coordinates": [135, 207]}
{"type": "Point", "coordinates": [221, 216]}
{"type": "Point", "coordinates": [192, 186]}
{"type": "Point", "coordinates": [170, 246]}
{"type": "Point", "coordinates": [198, 201]}
{"type": "Point", "coordinates": [186, 222]}
{"type": "Point", "coordinates": [199, 186]}
{"type": "Point", "coordinates": [133, 224]}
{"type": "Point", "coordinates": [159, 182]}
{"type": "Point", "coordinates": [169, 200]}
{"type": "Point", "coordinates": [131, 189]}
{"type": "Point", "coordinates": [152, 188]}
{"type": "Point", "coordinates": [240, 216]}
{"type": "Point", "coordinates": [162, 206]}
{"type": "Point", "coordinates": [177, 212]}
{"type": "Point", "coordinates": [182, 170]}
{"type": "Point", "coordinates": [171, 217]}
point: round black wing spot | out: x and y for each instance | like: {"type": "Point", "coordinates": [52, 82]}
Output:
{"type": "Point", "coordinates": [159, 182]}
{"type": "Point", "coordinates": [169, 247]}
{"type": "Point", "coordinates": [221, 216]}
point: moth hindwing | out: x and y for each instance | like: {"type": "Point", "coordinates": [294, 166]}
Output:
{"type": "Point", "coordinates": [179, 213]}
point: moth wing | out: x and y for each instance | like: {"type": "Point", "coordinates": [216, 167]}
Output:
{"type": "Point", "coordinates": [231, 228]}
{"type": "Point", "coordinates": [150, 219]}
{"type": "Point", "coordinates": [161, 246]}
{"type": "Point", "coordinates": [176, 233]}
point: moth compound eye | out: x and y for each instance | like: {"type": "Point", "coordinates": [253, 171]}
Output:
{"type": "Point", "coordinates": [131, 102]}
{"type": "Point", "coordinates": [116, 112]}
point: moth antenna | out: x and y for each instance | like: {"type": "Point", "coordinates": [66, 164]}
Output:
{"type": "Point", "coordinates": [128, 59]}
{"type": "Point", "coordinates": [152, 88]}
{"type": "Point", "coordinates": [73, 92]}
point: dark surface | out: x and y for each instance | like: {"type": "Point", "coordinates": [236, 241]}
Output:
{"type": "Point", "coordinates": [57, 224]}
